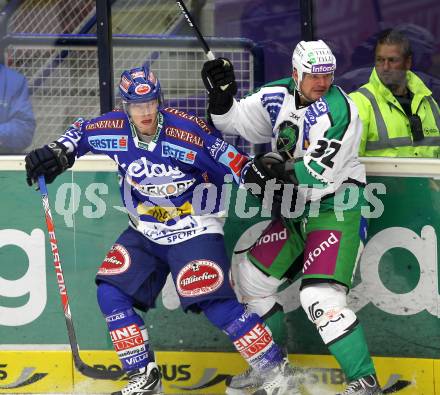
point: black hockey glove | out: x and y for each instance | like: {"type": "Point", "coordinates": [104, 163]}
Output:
{"type": "Point", "coordinates": [266, 167]}
{"type": "Point", "coordinates": [219, 79]}
{"type": "Point", "coordinates": [50, 161]}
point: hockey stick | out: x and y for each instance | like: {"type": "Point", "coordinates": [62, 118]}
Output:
{"type": "Point", "coordinates": [201, 39]}
{"type": "Point", "coordinates": [191, 23]}
{"type": "Point", "coordinates": [85, 369]}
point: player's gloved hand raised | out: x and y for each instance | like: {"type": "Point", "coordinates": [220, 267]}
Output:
{"type": "Point", "coordinates": [219, 80]}
{"type": "Point", "coordinates": [218, 74]}
{"type": "Point", "coordinates": [49, 161]}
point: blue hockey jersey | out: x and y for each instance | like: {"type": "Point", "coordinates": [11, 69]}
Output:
{"type": "Point", "coordinates": [172, 185]}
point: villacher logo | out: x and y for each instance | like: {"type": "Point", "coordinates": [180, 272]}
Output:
{"type": "Point", "coordinates": [198, 278]}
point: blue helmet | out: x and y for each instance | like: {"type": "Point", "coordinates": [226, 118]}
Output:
{"type": "Point", "coordinates": [139, 85]}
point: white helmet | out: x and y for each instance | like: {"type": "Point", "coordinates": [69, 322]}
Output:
{"type": "Point", "coordinates": [313, 57]}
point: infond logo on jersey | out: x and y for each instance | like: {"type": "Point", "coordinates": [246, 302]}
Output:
{"type": "Point", "coordinates": [321, 252]}
{"type": "Point", "coordinates": [109, 142]}
{"type": "Point", "coordinates": [180, 153]}
{"type": "Point", "coordinates": [273, 237]}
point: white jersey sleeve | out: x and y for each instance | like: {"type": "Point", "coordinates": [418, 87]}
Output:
{"type": "Point", "coordinates": [254, 116]}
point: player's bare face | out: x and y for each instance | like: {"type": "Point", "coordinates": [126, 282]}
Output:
{"type": "Point", "coordinates": [144, 116]}
{"type": "Point", "coordinates": [313, 86]}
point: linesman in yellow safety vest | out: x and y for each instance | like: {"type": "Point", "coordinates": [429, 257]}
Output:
{"type": "Point", "coordinates": [399, 115]}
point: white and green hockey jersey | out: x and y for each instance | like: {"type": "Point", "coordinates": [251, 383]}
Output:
{"type": "Point", "coordinates": [327, 133]}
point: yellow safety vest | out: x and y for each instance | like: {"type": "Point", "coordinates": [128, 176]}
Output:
{"type": "Point", "coordinates": [386, 128]}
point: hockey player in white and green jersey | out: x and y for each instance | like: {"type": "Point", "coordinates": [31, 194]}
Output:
{"type": "Point", "coordinates": [314, 130]}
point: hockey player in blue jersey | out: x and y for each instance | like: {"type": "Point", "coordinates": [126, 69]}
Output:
{"type": "Point", "coordinates": [172, 166]}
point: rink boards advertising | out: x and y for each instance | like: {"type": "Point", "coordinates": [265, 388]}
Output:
{"type": "Point", "coordinates": [396, 291]}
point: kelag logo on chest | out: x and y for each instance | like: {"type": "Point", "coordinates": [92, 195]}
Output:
{"type": "Point", "coordinates": [109, 142]}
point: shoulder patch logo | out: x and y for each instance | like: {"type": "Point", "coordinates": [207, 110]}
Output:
{"type": "Point", "coordinates": [319, 107]}
{"type": "Point", "coordinates": [314, 111]}
{"type": "Point", "coordinates": [234, 160]}
{"type": "Point", "coordinates": [272, 102]}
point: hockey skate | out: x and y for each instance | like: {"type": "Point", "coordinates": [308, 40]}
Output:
{"type": "Point", "coordinates": [279, 380]}
{"type": "Point", "coordinates": [243, 383]}
{"type": "Point", "coordinates": [250, 381]}
{"type": "Point", "coordinates": [143, 381]}
{"type": "Point", "coordinates": [367, 385]}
